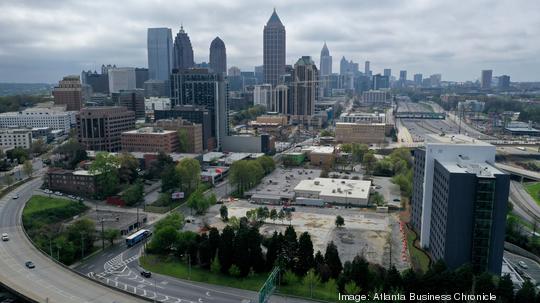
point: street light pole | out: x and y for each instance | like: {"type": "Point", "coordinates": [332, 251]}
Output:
{"type": "Point", "coordinates": [82, 245]}
{"type": "Point", "coordinates": [102, 235]}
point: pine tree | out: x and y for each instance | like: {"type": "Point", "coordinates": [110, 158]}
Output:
{"type": "Point", "coordinates": [226, 249]}
{"type": "Point", "coordinates": [526, 294]}
{"type": "Point", "coordinates": [213, 241]}
{"type": "Point", "coordinates": [305, 254]}
{"type": "Point", "coordinates": [505, 289]}
{"type": "Point", "coordinates": [331, 258]}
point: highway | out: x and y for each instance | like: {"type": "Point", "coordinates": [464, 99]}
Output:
{"type": "Point", "coordinates": [48, 281]}
{"type": "Point", "coordinates": [524, 204]}
{"type": "Point", "coordinates": [532, 270]}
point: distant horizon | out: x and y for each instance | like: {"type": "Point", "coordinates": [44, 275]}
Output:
{"type": "Point", "coordinates": [42, 42]}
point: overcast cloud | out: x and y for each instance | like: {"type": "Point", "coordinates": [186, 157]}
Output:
{"type": "Point", "coordinates": [40, 41]}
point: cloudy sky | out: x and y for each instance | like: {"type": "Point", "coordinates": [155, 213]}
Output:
{"type": "Point", "coordinates": [40, 41]}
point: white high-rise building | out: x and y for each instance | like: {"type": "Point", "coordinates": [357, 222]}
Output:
{"type": "Point", "coordinates": [122, 78]}
{"type": "Point", "coordinates": [262, 95]}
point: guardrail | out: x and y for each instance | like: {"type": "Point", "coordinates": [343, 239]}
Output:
{"type": "Point", "coordinates": [74, 271]}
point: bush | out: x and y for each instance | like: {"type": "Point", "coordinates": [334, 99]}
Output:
{"type": "Point", "coordinates": [234, 271]}
{"type": "Point", "coordinates": [289, 278]}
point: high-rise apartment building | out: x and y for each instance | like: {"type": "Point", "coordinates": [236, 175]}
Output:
{"type": "Point", "coordinates": [160, 53]}
{"type": "Point", "coordinates": [200, 87]}
{"type": "Point", "coordinates": [122, 78]}
{"type": "Point", "coordinates": [273, 49]}
{"type": "Point", "coordinates": [69, 93]}
{"type": "Point", "coordinates": [504, 82]}
{"type": "Point", "coordinates": [326, 61]}
{"type": "Point", "coordinates": [418, 80]}
{"type": "Point", "coordinates": [182, 51]}
{"type": "Point", "coordinates": [305, 85]}
{"type": "Point", "coordinates": [218, 56]}
{"type": "Point", "coordinates": [101, 128]}
{"type": "Point", "coordinates": [485, 79]}
{"type": "Point", "coordinates": [459, 202]}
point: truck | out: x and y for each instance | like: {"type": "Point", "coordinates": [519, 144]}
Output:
{"type": "Point", "coordinates": [309, 202]}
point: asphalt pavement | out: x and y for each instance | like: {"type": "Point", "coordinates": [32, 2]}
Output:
{"type": "Point", "coordinates": [48, 281]}
{"type": "Point", "coordinates": [532, 270]}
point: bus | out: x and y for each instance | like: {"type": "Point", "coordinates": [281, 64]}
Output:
{"type": "Point", "coordinates": [138, 237]}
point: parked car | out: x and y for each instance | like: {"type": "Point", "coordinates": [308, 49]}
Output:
{"type": "Point", "coordinates": [146, 274]}
{"type": "Point", "coordinates": [29, 264]}
{"type": "Point", "coordinates": [5, 237]}
{"type": "Point", "coordinates": [58, 193]}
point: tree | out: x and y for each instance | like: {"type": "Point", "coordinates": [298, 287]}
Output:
{"type": "Point", "coordinates": [73, 153]}
{"type": "Point", "coordinates": [105, 166]}
{"type": "Point", "coordinates": [245, 174]}
{"type": "Point", "coordinates": [39, 147]}
{"type": "Point", "coordinates": [198, 202]}
{"type": "Point", "coordinates": [28, 168]}
{"type": "Point", "coordinates": [224, 213]}
{"type": "Point", "coordinates": [164, 240]}
{"type": "Point", "coordinates": [484, 284]}
{"type": "Point", "coordinates": [18, 153]}
{"type": "Point", "coordinates": [169, 178]}
{"type": "Point", "coordinates": [305, 254]}
{"type": "Point", "coordinates": [111, 234]}
{"type": "Point", "coordinates": [326, 133]}
{"type": "Point", "coordinates": [358, 151]}
{"type": "Point", "coordinates": [267, 163]}
{"type": "Point", "coordinates": [213, 240]}
{"type": "Point", "coordinates": [505, 289]}
{"type": "Point", "coordinates": [351, 288]}
{"type": "Point", "coordinates": [393, 279]}
{"type": "Point", "coordinates": [527, 293]}
{"type": "Point", "coordinates": [133, 194]}
{"type": "Point", "coordinates": [281, 215]}
{"type": "Point", "coordinates": [311, 280]}
{"type": "Point", "coordinates": [128, 168]}
{"type": "Point", "coordinates": [377, 199]}
{"type": "Point", "coordinates": [384, 167]}
{"type": "Point", "coordinates": [226, 250]}
{"type": "Point", "coordinates": [234, 271]}
{"type": "Point", "coordinates": [368, 161]}
{"type": "Point", "coordinates": [331, 258]}
{"type": "Point", "coordinates": [215, 267]}
{"type": "Point", "coordinates": [273, 215]}
{"type": "Point", "coordinates": [174, 219]}
{"type": "Point", "coordinates": [183, 139]}
{"type": "Point", "coordinates": [339, 221]}
{"type": "Point", "coordinates": [189, 172]}
{"type": "Point", "coordinates": [82, 235]}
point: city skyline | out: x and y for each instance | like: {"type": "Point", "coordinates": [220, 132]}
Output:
{"type": "Point", "coordinates": [418, 36]}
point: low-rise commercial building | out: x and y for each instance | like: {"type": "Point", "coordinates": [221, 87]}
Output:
{"type": "Point", "coordinates": [149, 139]}
{"type": "Point", "coordinates": [360, 133]}
{"type": "Point", "coordinates": [11, 138]}
{"type": "Point", "coordinates": [375, 96]}
{"type": "Point", "coordinates": [320, 155]}
{"type": "Point", "coordinates": [79, 182]}
{"type": "Point", "coordinates": [273, 119]}
{"type": "Point", "coordinates": [363, 117]}
{"type": "Point", "coordinates": [193, 133]}
{"type": "Point", "coordinates": [335, 191]}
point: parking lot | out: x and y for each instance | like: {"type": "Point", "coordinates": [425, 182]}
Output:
{"type": "Point", "coordinates": [366, 232]}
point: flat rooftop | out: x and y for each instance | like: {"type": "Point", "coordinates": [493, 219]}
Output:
{"type": "Point", "coordinates": [319, 149]}
{"type": "Point", "coordinates": [453, 139]}
{"type": "Point", "coordinates": [149, 131]}
{"type": "Point", "coordinates": [484, 170]}
{"type": "Point", "coordinates": [346, 188]}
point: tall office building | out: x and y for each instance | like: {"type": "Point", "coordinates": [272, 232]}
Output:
{"type": "Point", "coordinates": [122, 78]}
{"type": "Point", "coordinates": [380, 82]}
{"type": "Point", "coordinates": [69, 93]}
{"type": "Point", "coordinates": [273, 50]}
{"type": "Point", "coordinates": [418, 79]}
{"type": "Point", "coordinates": [367, 71]}
{"type": "Point", "coordinates": [326, 61]}
{"type": "Point", "coordinates": [101, 128]}
{"type": "Point", "coordinates": [459, 202]}
{"type": "Point", "coordinates": [200, 87]}
{"type": "Point", "coordinates": [133, 100]}
{"type": "Point", "coordinates": [305, 79]}
{"type": "Point", "coordinates": [218, 56]}
{"type": "Point", "coordinates": [98, 82]}
{"type": "Point", "coordinates": [182, 51]}
{"type": "Point", "coordinates": [160, 53]}
{"type": "Point", "coordinates": [485, 80]}
{"type": "Point", "coordinates": [387, 72]}
{"type": "Point", "coordinates": [141, 76]}
{"type": "Point", "coordinates": [435, 80]}
{"type": "Point", "coordinates": [504, 82]}
{"type": "Point", "coordinates": [403, 77]}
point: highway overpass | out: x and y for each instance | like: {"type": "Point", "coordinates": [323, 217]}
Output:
{"type": "Point", "coordinates": [420, 115]}
{"type": "Point", "coordinates": [48, 281]}
{"type": "Point", "coordinates": [519, 172]}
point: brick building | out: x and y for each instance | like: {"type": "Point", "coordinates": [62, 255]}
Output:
{"type": "Point", "coordinates": [149, 139]}
{"type": "Point", "coordinates": [69, 93]}
{"type": "Point", "coordinates": [80, 182]}
{"type": "Point", "coordinates": [360, 133]}
{"type": "Point", "coordinates": [193, 131]}
{"type": "Point", "coordinates": [100, 128]}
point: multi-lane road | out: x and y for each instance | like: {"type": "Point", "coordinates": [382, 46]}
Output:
{"type": "Point", "coordinates": [48, 281]}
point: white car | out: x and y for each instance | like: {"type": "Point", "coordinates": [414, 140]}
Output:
{"type": "Point", "coordinates": [523, 265]}
{"type": "Point", "coordinates": [5, 237]}
{"type": "Point", "coordinates": [15, 196]}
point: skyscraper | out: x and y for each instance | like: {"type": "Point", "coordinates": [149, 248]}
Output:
{"type": "Point", "coordinates": [160, 53]}
{"type": "Point", "coordinates": [273, 49]}
{"type": "Point", "coordinates": [326, 61]}
{"type": "Point", "coordinates": [387, 72]}
{"type": "Point", "coordinates": [504, 82]}
{"type": "Point", "coordinates": [485, 80]}
{"type": "Point", "coordinates": [305, 80]}
{"type": "Point", "coordinates": [403, 76]}
{"type": "Point", "coordinates": [459, 202]}
{"type": "Point", "coordinates": [380, 82]}
{"type": "Point", "coordinates": [218, 56]}
{"type": "Point", "coordinates": [183, 52]}
{"type": "Point", "coordinates": [69, 93]}
{"type": "Point", "coordinates": [418, 79]}
{"type": "Point", "coordinates": [367, 71]}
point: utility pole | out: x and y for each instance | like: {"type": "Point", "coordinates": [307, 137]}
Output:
{"type": "Point", "coordinates": [138, 215]}
{"type": "Point", "coordinates": [82, 245]}
{"type": "Point", "coordinates": [102, 235]}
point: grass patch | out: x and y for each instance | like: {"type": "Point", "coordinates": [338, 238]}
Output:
{"type": "Point", "coordinates": [419, 259]}
{"type": "Point", "coordinates": [178, 269]}
{"type": "Point", "coordinates": [534, 190]}
{"type": "Point", "coordinates": [171, 266]}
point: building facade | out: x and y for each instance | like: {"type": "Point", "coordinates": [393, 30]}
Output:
{"type": "Point", "coordinates": [133, 100]}
{"type": "Point", "coordinates": [101, 128]}
{"type": "Point", "coordinates": [192, 131]}
{"type": "Point", "coordinates": [375, 96]}
{"type": "Point", "coordinates": [326, 61]}
{"type": "Point", "coordinates": [54, 118]}
{"type": "Point", "coordinates": [305, 86]}
{"type": "Point", "coordinates": [360, 132]}
{"type": "Point", "coordinates": [183, 51]}
{"type": "Point", "coordinates": [194, 114]}
{"type": "Point", "coordinates": [150, 139]}
{"type": "Point", "coordinates": [80, 182]}
{"type": "Point", "coordinates": [160, 53]}
{"type": "Point", "coordinates": [486, 78]}
{"type": "Point", "coordinates": [69, 93]}
{"type": "Point", "coordinates": [122, 78]}
{"type": "Point", "coordinates": [274, 48]}
{"type": "Point", "coordinates": [218, 56]}
{"type": "Point", "coordinates": [12, 138]}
